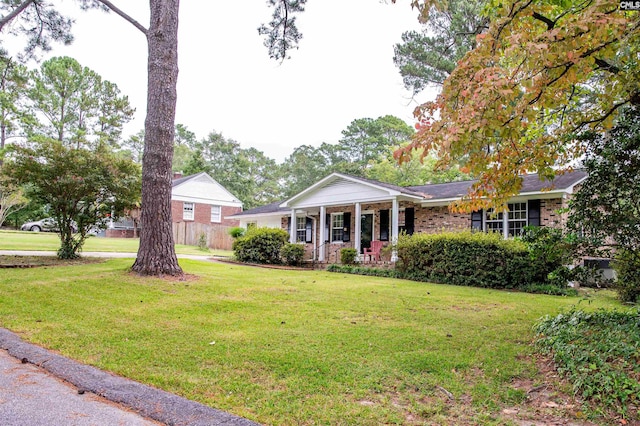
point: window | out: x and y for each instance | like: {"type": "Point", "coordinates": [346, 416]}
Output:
{"type": "Point", "coordinates": [512, 221]}
{"type": "Point", "coordinates": [187, 211]}
{"type": "Point", "coordinates": [301, 229]}
{"type": "Point", "coordinates": [216, 214]}
{"type": "Point", "coordinates": [251, 225]}
{"type": "Point", "coordinates": [494, 222]}
{"type": "Point", "coordinates": [517, 218]}
{"type": "Point", "coordinates": [337, 226]}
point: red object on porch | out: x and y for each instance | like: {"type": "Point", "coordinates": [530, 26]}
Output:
{"type": "Point", "coordinates": [373, 251]}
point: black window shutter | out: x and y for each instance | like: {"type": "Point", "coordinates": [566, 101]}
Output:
{"type": "Point", "coordinates": [476, 220]}
{"type": "Point", "coordinates": [409, 218]}
{"type": "Point", "coordinates": [346, 236]}
{"type": "Point", "coordinates": [308, 227]}
{"type": "Point", "coordinates": [384, 225]}
{"type": "Point", "coordinates": [327, 228]}
{"type": "Point", "coordinates": [289, 226]}
{"type": "Point", "coordinates": [534, 212]}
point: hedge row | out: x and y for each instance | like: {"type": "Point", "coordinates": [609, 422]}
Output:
{"type": "Point", "coordinates": [471, 259]}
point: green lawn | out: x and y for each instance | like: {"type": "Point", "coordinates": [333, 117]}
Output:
{"type": "Point", "coordinates": [292, 347]}
{"type": "Point", "coordinates": [48, 241]}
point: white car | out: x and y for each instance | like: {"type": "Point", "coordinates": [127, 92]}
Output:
{"type": "Point", "coordinates": [46, 224]}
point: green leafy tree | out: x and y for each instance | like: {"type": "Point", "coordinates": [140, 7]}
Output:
{"type": "Point", "coordinates": [12, 199]}
{"type": "Point", "coordinates": [426, 58]}
{"type": "Point", "coordinates": [305, 166]}
{"type": "Point", "coordinates": [606, 208]}
{"type": "Point", "coordinates": [544, 72]}
{"type": "Point", "coordinates": [184, 145]}
{"type": "Point", "coordinates": [247, 173]}
{"type": "Point", "coordinates": [74, 105]}
{"type": "Point", "coordinates": [83, 188]}
{"type": "Point", "coordinates": [134, 146]}
{"type": "Point", "coordinates": [418, 170]}
{"type": "Point", "coordinates": [42, 23]}
{"type": "Point", "coordinates": [13, 83]}
{"type": "Point", "coordinates": [365, 140]}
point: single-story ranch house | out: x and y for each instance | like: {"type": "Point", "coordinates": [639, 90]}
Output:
{"type": "Point", "coordinates": [347, 211]}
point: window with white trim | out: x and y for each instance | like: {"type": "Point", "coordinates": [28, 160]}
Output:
{"type": "Point", "coordinates": [216, 214]}
{"type": "Point", "coordinates": [512, 221]}
{"type": "Point", "coordinates": [337, 226]}
{"type": "Point", "coordinates": [251, 225]}
{"type": "Point", "coordinates": [187, 211]}
{"type": "Point", "coordinates": [301, 229]}
{"type": "Point", "coordinates": [517, 218]}
{"type": "Point", "coordinates": [494, 222]}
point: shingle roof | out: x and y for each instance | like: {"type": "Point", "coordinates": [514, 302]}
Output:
{"type": "Point", "coordinates": [445, 191]}
{"type": "Point", "coordinates": [269, 208]}
{"type": "Point", "coordinates": [178, 181]}
{"type": "Point", "coordinates": [530, 183]}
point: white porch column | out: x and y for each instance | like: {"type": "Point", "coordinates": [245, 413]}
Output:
{"type": "Point", "coordinates": [292, 228]}
{"type": "Point", "coordinates": [395, 213]}
{"type": "Point", "coordinates": [322, 237]}
{"type": "Point", "coordinates": [358, 232]}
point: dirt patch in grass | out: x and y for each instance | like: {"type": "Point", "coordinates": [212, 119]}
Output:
{"type": "Point", "coordinates": [39, 261]}
{"type": "Point", "coordinates": [548, 400]}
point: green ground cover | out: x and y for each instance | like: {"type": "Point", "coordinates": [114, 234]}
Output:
{"type": "Point", "coordinates": [48, 241]}
{"type": "Point", "coordinates": [293, 347]}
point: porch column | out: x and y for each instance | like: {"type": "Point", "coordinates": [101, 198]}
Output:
{"type": "Point", "coordinates": [322, 237]}
{"type": "Point", "coordinates": [358, 225]}
{"type": "Point", "coordinates": [395, 213]}
{"type": "Point", "coordinates": [292, 227]}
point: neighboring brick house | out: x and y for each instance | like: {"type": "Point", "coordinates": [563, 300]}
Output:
{"type": "Point", "coordinates": [324, 214]}
{"type": "Point", "coordinates": [200, 199]}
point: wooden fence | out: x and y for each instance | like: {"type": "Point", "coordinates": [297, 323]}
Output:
{"type": "Point", "coordinates": [188, 233]}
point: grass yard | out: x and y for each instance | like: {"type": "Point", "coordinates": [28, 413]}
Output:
{"type": "Point", "coordinates": [292, 347]}
{"type": "Point", "coordinates": [49, 241]}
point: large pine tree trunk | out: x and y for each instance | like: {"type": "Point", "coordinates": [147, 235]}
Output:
{"type": "Point", "coordinates": [156, 254]}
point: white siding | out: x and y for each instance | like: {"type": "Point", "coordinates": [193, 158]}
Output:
{"type": "Point", "coordinates": [202, 189]}
{"type": "Point", "coordinates": [342, 191]}
{"type": "Point", "coordinates": [263, 222]}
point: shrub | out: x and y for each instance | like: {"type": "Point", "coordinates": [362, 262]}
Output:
{"type": "Point", "coordinates": [363, 270]}
{"type": "Point", "coordinates": [237, 232]}
{"type": "Point", "coordinates": [202, 242]}
{"type": "Point", "coordinates": [627, 267]}
{"type": "Point", "coordinates": [348, 256]}
{"type": "Point", "coordinates": [292, 254]}
{"type": "Point", "coordinates": [260, 245]}
{"type": "Point", "coordinates": [471, 259]}
{"type": "Point", "coordinates": [597, 351]}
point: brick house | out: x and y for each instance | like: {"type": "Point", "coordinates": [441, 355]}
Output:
{"type": "Point", "coordinates": [323, 216]}
{"type": "Point", "coordinates": [200, 199]}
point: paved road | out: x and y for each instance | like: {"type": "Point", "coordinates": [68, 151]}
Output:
{"type": "Point", "coordinates": [31, 396]}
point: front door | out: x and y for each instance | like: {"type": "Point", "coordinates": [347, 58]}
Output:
{"type": "Point", "coordinates": [366, 230]}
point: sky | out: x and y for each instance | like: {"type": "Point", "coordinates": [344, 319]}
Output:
{"type": "Point", "coordinates": [342, 71]}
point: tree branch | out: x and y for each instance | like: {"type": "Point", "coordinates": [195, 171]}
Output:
{"type": "Point", "coordinates": [549, 22]}
{"type": "Point", "coordinates": [604, 65]}
{"type": "Point", "coordinates": [125, 16]}
{"type": "Point", "coordinates": [15, 13]}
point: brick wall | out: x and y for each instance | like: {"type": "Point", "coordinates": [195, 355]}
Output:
{"type": "Point", "coordinates": [549, 214]}
{"type": "Point", "coordinates": [202, 214]}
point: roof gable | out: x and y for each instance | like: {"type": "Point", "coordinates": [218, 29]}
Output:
{"type": "Point", "coordinates": [339, 188]}
{"type": "Point", "coordinates": [202, 188]}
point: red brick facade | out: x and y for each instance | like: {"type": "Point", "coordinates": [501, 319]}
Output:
{"type": "Point", "coordinates": [202, 214]}
{"type": "Point", "coordinates": [429, 220]}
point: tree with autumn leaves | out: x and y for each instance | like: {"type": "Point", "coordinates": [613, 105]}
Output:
{"type": "Point", "coordinates": [544, 72]}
